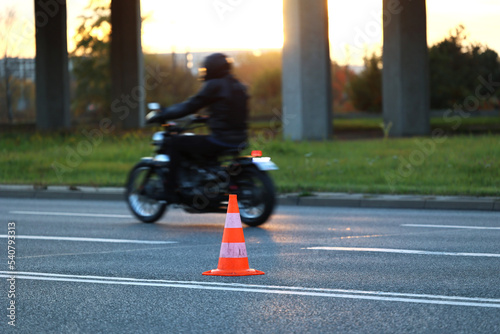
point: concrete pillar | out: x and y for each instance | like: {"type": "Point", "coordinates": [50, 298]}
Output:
{"type": "Point", "coordinates": [52, 74]}
{"type": "Point", "coordinates": [307, 103]}
{"type": "Point", "coordinates": [405, 78]}
{"type": "Point", "coordinates": [127, 68]}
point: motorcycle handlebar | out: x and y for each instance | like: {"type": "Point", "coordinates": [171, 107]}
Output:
{"type": "Point", "coordinates": [191, 122]}
{"type": "Point", "coordinates": [153, 117]}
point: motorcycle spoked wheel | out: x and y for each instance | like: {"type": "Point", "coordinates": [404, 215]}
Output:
{"type": "Point", "coordinates": [142, 184]}
{"type": "Point", "coordinates": [256, 196]}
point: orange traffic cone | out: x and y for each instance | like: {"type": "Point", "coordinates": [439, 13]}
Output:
{"type": "Point", "coordinates": [233, 259]}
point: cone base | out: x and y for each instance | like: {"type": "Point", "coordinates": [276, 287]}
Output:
{"type": "Point", "coordinates": [246, 272]}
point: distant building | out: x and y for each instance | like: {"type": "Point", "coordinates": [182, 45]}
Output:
{"type": "Point", "coordinates": [21, 68]}
{"type": "Point", "coordinates": [194, 60]}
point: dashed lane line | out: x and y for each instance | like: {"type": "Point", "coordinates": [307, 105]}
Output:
{"type": "Point", "coordinates": [119, 241]}
{"type": "Point", "coordinates": [453, 226]}
{"type": "Point", "coordinates": [69, 214]}
{"type": "Point", "coordinates": [402, 251]}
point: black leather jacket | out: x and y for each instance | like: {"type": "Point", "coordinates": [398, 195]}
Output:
{"type": "Point", "coordinates": [226, 99]}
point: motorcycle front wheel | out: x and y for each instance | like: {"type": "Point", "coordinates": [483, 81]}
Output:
{"type": "Point", "coordinates": [144, 187]}
{"type": "Point", "coordinates": [256, 196]}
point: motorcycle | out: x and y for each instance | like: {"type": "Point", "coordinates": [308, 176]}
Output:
{"type": "Point", "coordinates": [204, 184]}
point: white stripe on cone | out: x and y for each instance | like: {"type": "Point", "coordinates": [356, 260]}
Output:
{"type": "Point", "coordinates": [233, 220]}
{"type": "Point", "coordinates": [233, 250]}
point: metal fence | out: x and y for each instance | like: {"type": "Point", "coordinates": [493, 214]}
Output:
{"type": "Point", "coordinates": [17, 90]}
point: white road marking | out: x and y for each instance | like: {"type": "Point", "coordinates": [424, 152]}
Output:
{"type": "Point", "coordinates": [122, 241]}
{"type": "Point", "coordinates": [401, 251]}
{"type": "Point", "coordinates": [266, 289]}
{"type": "Point", "coordinates": [69, 214]}
{"type": "Point", "coordinates": [453, 226]}
{"type": "Point", "coordinates": [91, 253]}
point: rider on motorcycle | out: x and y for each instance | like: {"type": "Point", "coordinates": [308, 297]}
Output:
{"type": "Point", "coordinates": [226, 101]}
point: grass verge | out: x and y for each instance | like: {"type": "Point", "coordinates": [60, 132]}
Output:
{"type": "Point", "coordinates": [458, 165]}
{"type": "Point", "coordinates": [462, 165]}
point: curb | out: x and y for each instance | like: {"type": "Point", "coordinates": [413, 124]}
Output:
{"type": "Point", "coordinates": [316, 200]}
{"type": "Point", "coordinates": [393, 201]}
{"type": "Point", "coordinates": [61, 192]}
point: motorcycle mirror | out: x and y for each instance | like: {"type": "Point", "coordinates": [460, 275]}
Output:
{"type": "Point", "coordinates": [154, 106]}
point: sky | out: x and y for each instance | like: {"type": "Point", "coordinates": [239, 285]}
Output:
{"type": "Point", "coordinates": [211, 25]}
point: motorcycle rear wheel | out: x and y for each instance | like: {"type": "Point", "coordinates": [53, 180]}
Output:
{"type": "Point", "coordinates": [142, 184]}
{"type": "Point", "coordinates": [256, 196]}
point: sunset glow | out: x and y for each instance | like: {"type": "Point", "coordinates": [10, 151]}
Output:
{"type": "Point", "coordinates": [203, 25]}
{"type": "Point", "coordinates": [212, 25]}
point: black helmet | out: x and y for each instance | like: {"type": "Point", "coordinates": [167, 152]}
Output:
{"type": "Point", "coordinates": [216, 65]}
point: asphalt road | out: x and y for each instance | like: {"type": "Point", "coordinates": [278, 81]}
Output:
{"type": "Point", "coordinates": [90, 267]}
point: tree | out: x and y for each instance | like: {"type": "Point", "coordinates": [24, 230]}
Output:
{"type": "Point", "coordinates": [249, 65]}
{"type": "Point", "coordinates": [92, 73]}
{"type": "Point", "coordinates": [455, 71]}
{"type": "Point", "coordinates": [261, 72]}
{"type": "Point", "coordinates": [341, 78]}
{"type": "Point", "coordinates": [365, 90]}
{"type": "Point", "coordinates": [91, 62]}
{"type": "Point", "coordinates": [178, 85]}
{"type": "Point", "coordinates": [266, 93]}
{"type": "Point", "coordinates": [455, 68]}
{"type": "Point", "coordinates": [8, 21]}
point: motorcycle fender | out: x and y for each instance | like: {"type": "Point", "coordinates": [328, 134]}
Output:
{"type": "Point", "coordinates": [154, 163]}
{"type": "Point", "coordinates": [264, 163]}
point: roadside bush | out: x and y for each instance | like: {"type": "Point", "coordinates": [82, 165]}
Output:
{"type": "Point", "coordinates": [365, 90]}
